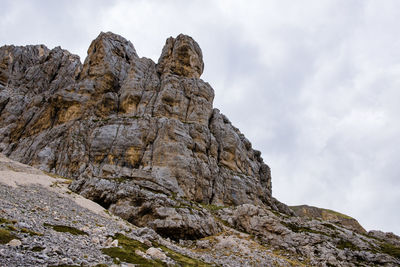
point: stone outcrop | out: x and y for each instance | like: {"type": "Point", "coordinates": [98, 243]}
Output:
{"type": "Point", "coordinates": [331, 216]}
{"type": "Point", "coordinates": [144, 141]}
{"type": "Point", "coordinates": [321, 242]}
{"type": "Point", "coordinates": [43, 223]}
{"type": "Point", "coordinates": [127, 129]}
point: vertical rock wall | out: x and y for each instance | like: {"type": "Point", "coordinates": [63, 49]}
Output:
{"type": "Point", "coordinates": [121, 121]}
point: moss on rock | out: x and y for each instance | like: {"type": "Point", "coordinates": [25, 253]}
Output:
{"type": "Point", "coordinates": [66, 229]}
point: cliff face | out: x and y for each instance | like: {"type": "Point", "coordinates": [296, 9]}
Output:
{"type": "Point", "coordinates": [125, 127]}
{"type": "Point", "coordinates": [144, 141]}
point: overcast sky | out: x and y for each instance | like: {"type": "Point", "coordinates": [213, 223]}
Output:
{"type": "Point", "coordinates": [314, 85]}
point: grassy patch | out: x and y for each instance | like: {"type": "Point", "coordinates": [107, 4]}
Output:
{"type": "Point", "coordinates": [126, 252]}
{"type": "Point", "coordinates": [330, 226]}
{"type": "Point", "coordinates": [30, 232]}
{"type": "Point", "coordinates": [391, 250]}
{"type": "Point", "coordinates": [340, 215]}
{"type": "Point", "coordinates": [37, 249]}
{"type": "Point", "coordinates": [301, 229]}
{"type": "Point", "coordinates": [126, 255]}
{"type": "Point", "coordinates": [66, 229]}
{"type": "Point", "coordinates": [183, 260]}
{"type": "Point", "coordinates": [223, 222]}
{"type": "Point", "coordinates": [6, 236]}
{"type": "Point", "coordinates": [3, 220]}
{"type": "Point", "coordinates": [343, 244]}
{"type": "Point", "coordinates": [277, 214]}
{"type": "Point", "coordinates": [11, 228]}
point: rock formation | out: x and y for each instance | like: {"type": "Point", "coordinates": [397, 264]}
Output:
{"type": "Point", "coordinates": [126, 129]}
{"type": "Point", "coordinates": [331, 216]}
{"type": "Point", "coordinates": [144, 141]}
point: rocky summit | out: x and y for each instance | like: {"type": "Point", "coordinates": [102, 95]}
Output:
{"type": "Point", "coordinates": [143, 140]}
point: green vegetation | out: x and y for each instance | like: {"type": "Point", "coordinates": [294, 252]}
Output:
{"type": "Point", "coordinates": [343, 244]}
{"type": "Point", "coordinates": [6, 236]}
{"type": "Point", "coordinates": [8, 224]}
{"type": "Point", "coordinates": [224, 222]}
{"type": "Point", "coordinates": [212, 207]}
{"type": "Point", "coordinates": [340, 215]}
{"type": "Point", "coordinates": [126, 253]}
{"type": "Point", "coordinates": [30, 232]}
{"type": "Point", "coordinates": [278, 214]}
{"type": "Point", "coordinates": [11, 228]}
{"type": "Point", "coordinates": [66, 229]}
{"type": "Point", "coordinates": [391, 250]}
{"type": "Point", "coordinates": [129, 256]}
{"type": "Point", "coordinates": [183, 260]}
{"type": "Point", "coordinates": [37, 249]}
{"type": "Point", "coordinates": [301, 229]}
{"type": "Point", "coordinates": [330, 226]}
{"type": "Point", "coordinates": [3, 220]}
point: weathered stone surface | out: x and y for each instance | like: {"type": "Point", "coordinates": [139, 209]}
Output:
{"type": "Point", "coordinates": [330, 216]}
{"type": "Point", "coordinates": [320, 241]}
{"type": "Point", "coordinates": [118, 118]}
{"type": "Point", "coordinates": [156, 253]}
{"type": "Point", "coordinates": [181, 56]}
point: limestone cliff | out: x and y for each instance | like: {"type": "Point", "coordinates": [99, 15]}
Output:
{"type": "Point", "coordinates": [143, 140]}
{"type": "Point", "coordinates": [126, 128]}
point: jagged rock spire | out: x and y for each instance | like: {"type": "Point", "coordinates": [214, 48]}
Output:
{"type": "Point", "coordinates": [181, 56]}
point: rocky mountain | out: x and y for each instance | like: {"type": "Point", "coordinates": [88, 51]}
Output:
{"type": "Point", "coordinates": [143, 140]}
